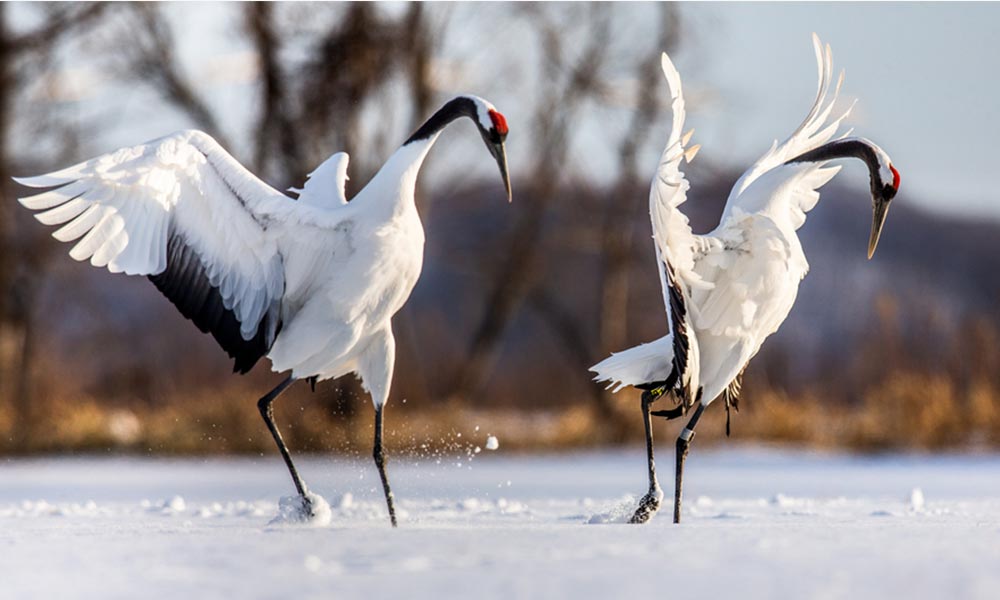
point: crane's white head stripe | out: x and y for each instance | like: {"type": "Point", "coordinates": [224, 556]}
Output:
{"type": "Point", "coordinates": [483, 109]}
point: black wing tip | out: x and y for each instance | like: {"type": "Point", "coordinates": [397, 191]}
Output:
{"type": "Point", "coordinates": [185, 283]}
{"type": "Point", "coordinates": [247, 355]}
{"type": "Point", "coordinates": [681, 343]}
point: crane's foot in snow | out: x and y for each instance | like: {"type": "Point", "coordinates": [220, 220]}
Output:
{"type": "Point", "coordinates": [308, 509]}
{"type": "Point", "coordinates": [648, 506]}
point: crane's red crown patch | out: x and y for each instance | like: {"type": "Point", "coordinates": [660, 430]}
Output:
{"type": "Point", "coordinates": [895, 177]}
{"type": "Point", "coordinates": [499, 122]}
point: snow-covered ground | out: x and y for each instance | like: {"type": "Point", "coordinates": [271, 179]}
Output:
{"type": "Point", "coordinates": [758, 524]}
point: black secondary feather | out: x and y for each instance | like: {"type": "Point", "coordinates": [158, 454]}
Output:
{"type": "Point", "coordinates": [186, 284]}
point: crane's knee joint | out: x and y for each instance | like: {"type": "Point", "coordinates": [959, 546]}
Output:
{"type": "Point", "coordinates": [264, 406]}
{"type": "Point", "coordinates": [673, 413]}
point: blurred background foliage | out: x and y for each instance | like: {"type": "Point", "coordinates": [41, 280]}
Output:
{"type": "Point", "coordinates": [515, 302]}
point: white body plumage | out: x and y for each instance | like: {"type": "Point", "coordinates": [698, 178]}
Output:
{"type": "Point", "coordinates": [331, 327]}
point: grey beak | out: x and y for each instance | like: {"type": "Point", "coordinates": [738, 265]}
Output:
{"type": "Point", "coordinates": [879, 212]}
{"type": "Point", "coordinates": [500, 154]}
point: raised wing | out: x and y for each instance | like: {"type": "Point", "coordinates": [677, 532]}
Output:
{"type": "Point", "coordinates": [185, 213]}
{"type": "Point", "coordinates": [815, 130]}
{"type": "Point", "coordinates": [675, 244]}
{"type": "Point", "coordinates": [325, 187]}
{"type": "Point", "coordinates": [757, 273]}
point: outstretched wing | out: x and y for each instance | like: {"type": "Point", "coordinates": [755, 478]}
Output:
{"type": "Point", "coordinates": [185, 213]}
{"type": "Point", "coordinates": [325, 186]}
{"type": "Point", "coordinates": [815, 130]}
{"type": "Point", "coordinates": [676, 246]}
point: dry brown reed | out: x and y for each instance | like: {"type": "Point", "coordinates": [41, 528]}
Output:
{"type": "Point", "coordinates": [899, 395]}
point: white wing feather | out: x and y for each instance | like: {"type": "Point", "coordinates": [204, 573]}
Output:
{"type": "Point", "coordinates": [325, 186]}
{"type": "Point", "coordinates": [671, 229]}
{"type": "Point", "coordinates": [812, 133]}
{"type": "Point", "coordinates": [126, 205]}
{"type": "Point", "coordinates": [645, 363]}
{"type": "Point", "coordinates": [675, 244]}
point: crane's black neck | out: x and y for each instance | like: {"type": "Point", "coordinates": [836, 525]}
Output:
{"type": "Point", "coordinates": [849, 148]}
{"type": "Point", "coordinates": [453, 109]}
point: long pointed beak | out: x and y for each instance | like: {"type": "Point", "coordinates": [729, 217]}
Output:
{"type": "Point", "coordinates": [880, 210]}
{"type": "Point", "coordinates": [500, 154]}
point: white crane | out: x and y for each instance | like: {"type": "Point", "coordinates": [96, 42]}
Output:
{"type": "Point", "coordinates": [726, 291]}
{"type": "Point", "coordinates": [311, 284]}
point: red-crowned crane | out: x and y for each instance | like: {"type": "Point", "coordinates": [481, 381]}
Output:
{"type": "Point", "coordinates": [311, 284]}
{"type": "Point", "coordinates": [726, 291]}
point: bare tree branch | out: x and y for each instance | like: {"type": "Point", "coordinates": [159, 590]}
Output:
{"type": "Point", "coordinates": [421, 46]}
{"type": "Point", "coordinates": [61, 21]}
{"type": "Point", "coordinates": [154, 61]}
{"type": "Point", "coordinates": [515, 277]}
{"type": "Point", "coordinates": [620, 215]}
{"type": "Point", "coordinates": [276, 130]}
{"type": "Point", "coordinates": [350, 62]}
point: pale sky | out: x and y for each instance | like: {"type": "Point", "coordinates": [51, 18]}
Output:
{"type": "Point", "coordinates": [926, 76]}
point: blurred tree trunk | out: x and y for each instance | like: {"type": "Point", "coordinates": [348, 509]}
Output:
{"type": "Point", "coordinates": [276, 142]}
{"type": "Point", "coordinates": [351, 62]}
{"type": "Point", "coordinates": [8, 341]}
{"type": "Point", "coordinates": [567, 84]}
{"type": "Point", "coordinates": [20, 266]}
{"type": "Point", "coordinates": [420, 49]}
{"type": "Point", "coordinates": [153, 59]}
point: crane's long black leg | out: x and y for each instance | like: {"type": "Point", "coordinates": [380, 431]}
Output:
{"type": "Point", "coordinates": [683, 444]}
{"type": "Point", "coordinates": [266, 411]}
{"type": "Point", "coordinates": [378, 453]}
{"type": "Point", "coordinates": [650, 503]}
